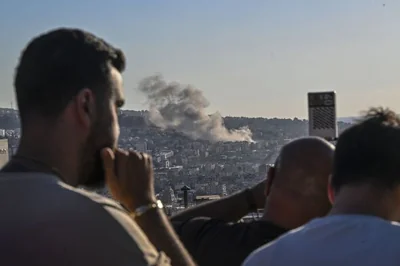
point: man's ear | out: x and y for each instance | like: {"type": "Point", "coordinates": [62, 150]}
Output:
{"type": "Point", "coordinates": [330, 190]}
{"type": "Point", "coordinates": [85, 107]}
{"type": "Point", "coordinates": [270, 178]}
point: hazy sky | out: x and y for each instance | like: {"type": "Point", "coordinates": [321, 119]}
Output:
{"type": "Point", "coordinates": [251, 58]}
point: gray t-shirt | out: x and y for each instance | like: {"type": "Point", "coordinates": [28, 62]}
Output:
{"type": "Point", "coordinates": [345, 240]}
{"type": "Point", "coordinates": [46, 222]}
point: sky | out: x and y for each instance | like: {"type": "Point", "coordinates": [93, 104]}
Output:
{"type": "Point", "coordinates": [250, 58]}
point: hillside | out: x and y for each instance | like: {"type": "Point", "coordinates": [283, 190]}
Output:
{"type": "Point", "coordinates": [262, 128]}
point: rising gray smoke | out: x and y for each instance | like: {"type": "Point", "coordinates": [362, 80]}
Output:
{"type": "Point", "coordinates": [183, 108]}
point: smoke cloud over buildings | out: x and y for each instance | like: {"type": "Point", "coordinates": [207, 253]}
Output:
{"type": "Point", "coordinates": [183, 108]}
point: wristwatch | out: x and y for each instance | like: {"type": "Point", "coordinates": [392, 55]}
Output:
{"type": "Point", "coordinates": [139, 211]}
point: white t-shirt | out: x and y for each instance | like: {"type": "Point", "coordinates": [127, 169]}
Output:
{"type": "Point", "coordinates": [345, 240]}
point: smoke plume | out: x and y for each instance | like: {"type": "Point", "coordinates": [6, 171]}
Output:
{"type": "Point", "coordinates": [183, 108]}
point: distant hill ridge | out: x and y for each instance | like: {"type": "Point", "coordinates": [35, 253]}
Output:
{"type": "Point", "coordinates": [349, 119]}
{"type": "Point", "coordinates": [262, 128]}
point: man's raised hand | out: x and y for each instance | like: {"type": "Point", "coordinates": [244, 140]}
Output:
{"type": "Point", "coordinates": [129, 176]}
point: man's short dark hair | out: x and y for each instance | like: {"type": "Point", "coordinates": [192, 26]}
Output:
{"type": "Point", "coordinates": [56, 65]}
{"type": "Point", "coordinates": [369, 152]}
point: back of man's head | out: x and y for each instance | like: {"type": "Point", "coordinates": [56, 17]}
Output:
{"type": "Point", "coordinates": [368, 153]}
{"type": "Point", "coordinates": [57, 65]}
{"type": "Point", "coordinates": [68, 86]}
{"type": "Point", "coordinates": [298, 181]}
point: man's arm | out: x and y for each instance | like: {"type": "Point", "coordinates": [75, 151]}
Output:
{"type": "Point", "coordinates": [129, 177]}
{"type": "Point", "coordinates": [158, 230]}
{"type": "Point", "coordinates": [230, 208]}
{"type": "Point", "coordinates": [214, 242]}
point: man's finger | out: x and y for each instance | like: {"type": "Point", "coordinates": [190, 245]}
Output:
{"type": "Point", "coordinates": [135, 157]}
{"type": "Point", "coordinates": [146, 157]}
{"type": "Point", "coordinates": [108, 157]}
{"type": "Point", "coordinates": [139, 156]}
{"type": "Point", "coordinates": [121, 163]}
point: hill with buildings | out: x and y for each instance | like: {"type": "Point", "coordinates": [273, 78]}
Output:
{"type": "Point", "coordinates": [262, 128]}
{"type": "Point", "coordinates": [209, 168]}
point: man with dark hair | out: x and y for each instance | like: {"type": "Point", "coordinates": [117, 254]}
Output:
{"type": "Point", "coordinates": [365, 191]}
{"type": "Point", "coordinates": [293, 194]}
{"type": "Point", "coordinates": [69, 72]}
{"type": "Point", "coordinates": [68, 86]}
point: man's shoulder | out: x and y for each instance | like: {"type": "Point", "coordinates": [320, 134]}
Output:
{"type": "Point", "coordinates": [204, 236]}
{"type": "Point", "coordinates": [47, 185]}
{"type": "Point", "coordinates": [56, 200]}
{"type": "Point", "coordinates": [264, 254]}
{"type": "Point", "coordinates": [100, 224]}
{"type": "Point", "coordinates": [112, 217]}
{"type": "Point", "coordinates": [327, 234]}
{"type": "Point", "coordinates": [246, 231]}
{"type": "Point", "coordinates": [92, 197]}
{"type": "Point", "coordinates": [291, 242]}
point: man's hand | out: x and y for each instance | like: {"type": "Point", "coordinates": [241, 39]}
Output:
{"type": "Point", "coordinates": [129, 176]}
{"type": "Point", "coordinates": [258, 192]}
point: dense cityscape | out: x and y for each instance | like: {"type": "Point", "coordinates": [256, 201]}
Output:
{"type": "Point", "coordinates": [199, 133]}
{"type": "Point", "coordinates": [209, 169]}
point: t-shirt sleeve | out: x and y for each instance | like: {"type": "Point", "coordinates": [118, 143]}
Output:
{"type": "Point", "coordinates": [102, 233]}
{"type": "Point", "coordinates": [141, 243]}
{"type": "Point", "coordinates": [52, 223]}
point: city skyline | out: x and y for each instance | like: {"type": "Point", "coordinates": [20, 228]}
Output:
{"type": "Point", "coordinates": [256, 58]}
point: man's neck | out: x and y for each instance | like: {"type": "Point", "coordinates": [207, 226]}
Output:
{"type": "Point", "coordinates": [50, 154]}
{"type": "Point", "coordinates": [285, 215]}
{"type": "Point", "coordinates": [365, 200]}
